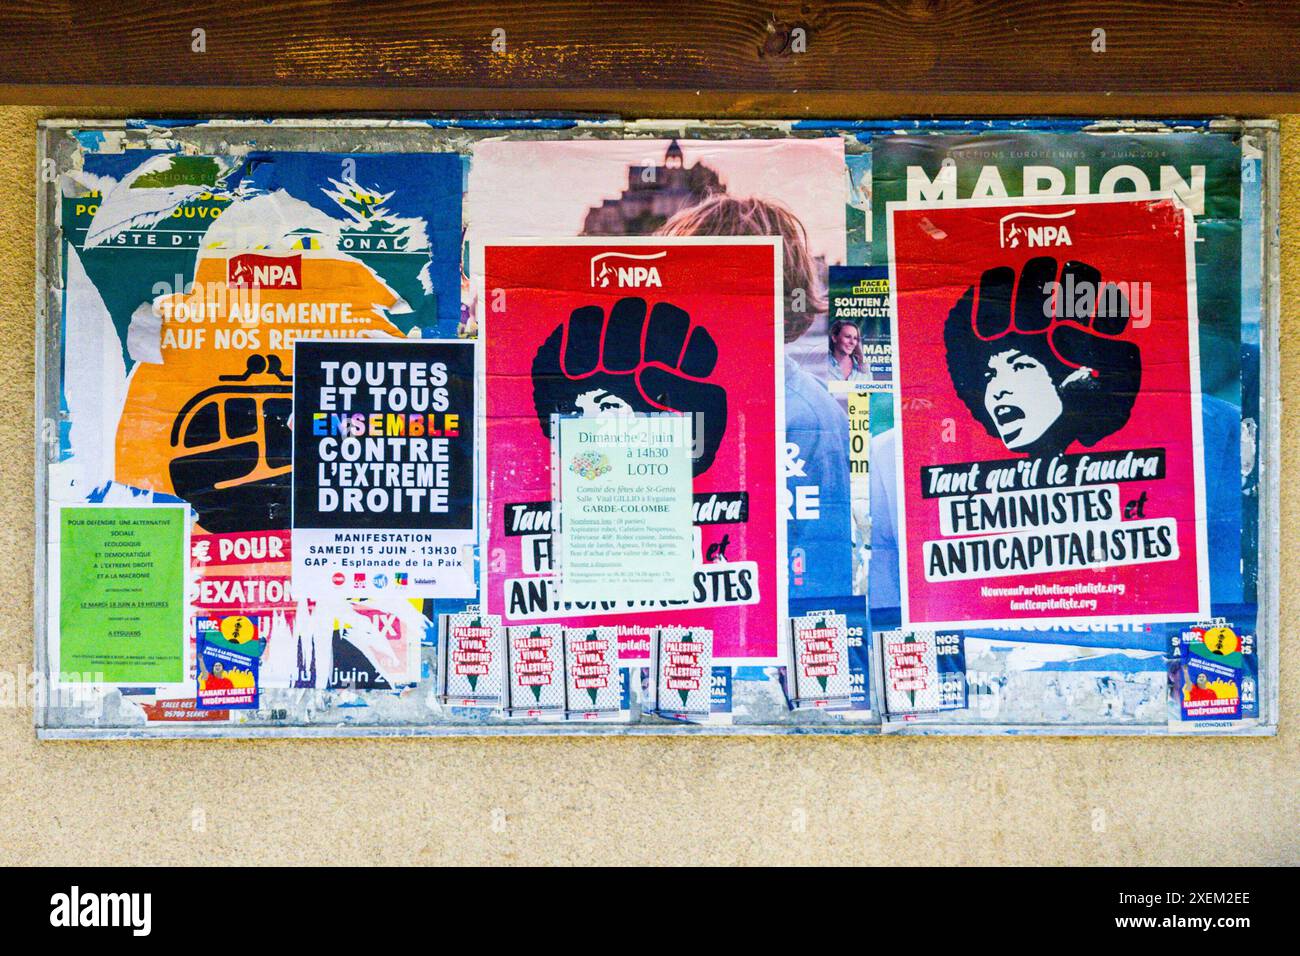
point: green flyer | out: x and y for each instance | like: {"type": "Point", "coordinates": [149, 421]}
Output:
{"type": "Point", "coordinates": [625, 505]}
{"type": "Point", "coordinates": [122, 594]}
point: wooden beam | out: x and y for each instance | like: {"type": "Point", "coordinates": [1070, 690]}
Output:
{"type": "Point", "coordinates": [866, 56]}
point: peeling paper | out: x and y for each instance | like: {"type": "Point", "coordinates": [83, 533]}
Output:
{"type": "Point", "coordinates": [147, 216]}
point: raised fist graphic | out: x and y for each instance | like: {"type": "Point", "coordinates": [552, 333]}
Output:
{"type": "Point", "coordinates": [626, 362]}
{"type": "Point", "coordinates": [1038, 359]}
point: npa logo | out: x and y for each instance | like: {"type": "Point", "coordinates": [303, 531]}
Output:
{"type": "Point", "coordinates": [626, 270]}
{"type": "Point", "coordinates": [1034, 229]}
{"type": "Point", "coordinates": [266, 272]}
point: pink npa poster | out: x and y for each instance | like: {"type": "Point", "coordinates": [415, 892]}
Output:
{"type": "Point", "coordinates": [1048, 406]}
{"type": "Point", "coordinates": [600, 328]}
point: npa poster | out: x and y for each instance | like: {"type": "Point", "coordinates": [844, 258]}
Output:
{"type": "Point", "coordinates": [1049, 467]}
{"type": "Point", "coordinates": [670, 326]}
{"type": "Point", "coordinates": [383, 465]}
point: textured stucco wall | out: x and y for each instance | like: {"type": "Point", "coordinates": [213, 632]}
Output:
{"type": "Point", "coordinates": [722, 801]}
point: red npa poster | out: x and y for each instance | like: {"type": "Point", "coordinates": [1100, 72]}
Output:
{"type": "Point", "coordinates": [1048, 411]}
{"type": "Point", "coordinates": [640, 326]}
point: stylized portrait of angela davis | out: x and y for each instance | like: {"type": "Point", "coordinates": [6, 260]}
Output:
{"type": "Point", "coordinates": [1034, 379]}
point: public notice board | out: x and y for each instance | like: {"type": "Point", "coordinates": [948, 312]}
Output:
{"type": "Point", "coordinates": [575, 425]}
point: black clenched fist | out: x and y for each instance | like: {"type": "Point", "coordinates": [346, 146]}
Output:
{"type": "Point", "coordinates": [628, 361]}
{"type": "Point", "coordinates": [1068, 320]}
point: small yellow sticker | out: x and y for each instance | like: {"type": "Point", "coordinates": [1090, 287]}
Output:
{"type": "Point", "coordinates": [238, 629]}
{"type": "Point", "coordinates": [1222, 640]}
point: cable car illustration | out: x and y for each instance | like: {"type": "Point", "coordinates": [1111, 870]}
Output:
{"type": "Point", "coordinates": [234, 449]}
{"type": "Point", "coordinates": [210, 422]}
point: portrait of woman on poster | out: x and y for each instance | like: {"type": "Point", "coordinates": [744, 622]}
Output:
{"type": "Point", "coordinates": [1042, 387]}
{"type": "Point", "coordinates": [845, 360]}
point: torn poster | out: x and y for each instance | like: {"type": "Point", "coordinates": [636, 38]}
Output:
{"type": "Point", "coordinates": [188, 260]}
{"type": "Point", "coordinates": [190, 279]}
{"type": "Point", "coordinates": [782, 186]}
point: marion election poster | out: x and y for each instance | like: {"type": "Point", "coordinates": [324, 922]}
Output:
{"type": "Point", "coordinates": [599, 329]}
{"type": "Point", "coordinates": [1049, 454]}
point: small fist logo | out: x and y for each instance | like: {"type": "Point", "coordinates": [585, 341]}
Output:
{"type": "Point", "coordinates": [634, 360]}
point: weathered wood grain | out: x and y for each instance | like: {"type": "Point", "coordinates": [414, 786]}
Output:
{"type": "Point", "coordinates": [599, 53]}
